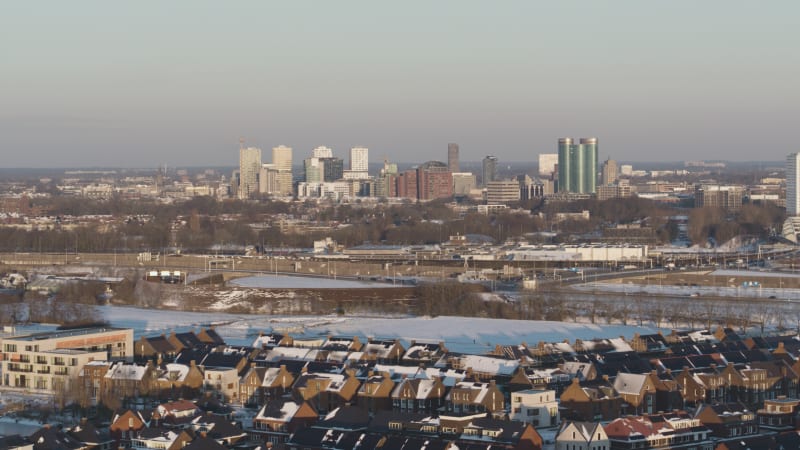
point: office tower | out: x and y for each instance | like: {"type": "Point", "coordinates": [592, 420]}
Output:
{"type": "Point", "coordinates": [282, 161]}
{"type": "Point", "coordinates": [609, 172]}
{"type": "Point", "coordinates": [452, 157]}
{"type": "Point", "coordinates": [322, 152]}
{"type": "Point", "coordinates": [547, 164]}
{"type": "Point", "coordinates": [489, 169]}
{"type": "Point", "coordinates": [577, 166]}
{"type": "Point", "coordinates": [314, 170]}
{"type": "Point", "coordinates": [359, 159]}
{"type": "Point", "coordinates": [333, 169]}
{"type": "Point", "coordinates": [249, 166]}
{"type": "Point", "coordinates": [793, 184]}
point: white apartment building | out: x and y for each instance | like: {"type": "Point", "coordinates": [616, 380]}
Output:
{"type": "Point", "coordinates": [537, 407]}
{"type": "Point", "coordinates": [359, 159]}
{"type": "Point", "coordinates": [547, 164]}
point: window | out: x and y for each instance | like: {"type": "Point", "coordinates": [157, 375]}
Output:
{"type": "Point", "coordinates": [395, 426]}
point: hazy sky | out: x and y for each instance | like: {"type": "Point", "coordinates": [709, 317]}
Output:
{"type": "Point", "coordinates": [142, 83]}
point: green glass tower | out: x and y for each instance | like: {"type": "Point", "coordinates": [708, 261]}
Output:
{"type": "Point", "coordinates": [577, 166]}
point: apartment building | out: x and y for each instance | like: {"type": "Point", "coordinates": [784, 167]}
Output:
{"type": "Point", "coordinates": [48, 362]}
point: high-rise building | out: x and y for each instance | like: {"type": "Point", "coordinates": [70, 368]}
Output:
{"type": "Point", "coordinates": [489, 169]}
{"type": "Point", "coordinates": [333, 169]}
{"type": "Point", "coordinates": [577, 166]}
{"type": "Point", "coordinates": [282, 161]}
{"type": "Point", "coordinates": [249, 166]}
{"type": "Point", "coordinates": [609, 171]}
{"type": "Point", "coordinates": [547, 164]}
{"type": "Point", "coordinates": [359, 159]}
{"type": "Point", "coordinates": [322, 152]}
{"type": "Point", "coordinates": [314, 170]}
{"type": "Point", "coordinates": [793, 184]}
{"type": "Point", "coordinates": [452, 157]}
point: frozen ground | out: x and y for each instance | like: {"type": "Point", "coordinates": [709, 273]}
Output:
{"type": "Point", "coordinates": [284, 282]}
{"type": "Point", "coordinates": [460, 334]}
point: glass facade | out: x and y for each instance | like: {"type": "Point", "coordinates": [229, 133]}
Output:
{"type": "Point", "coordinates": [577, 166]}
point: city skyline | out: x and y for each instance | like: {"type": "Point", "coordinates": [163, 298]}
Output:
{"type": "Point", "coordinates": [140, 84]}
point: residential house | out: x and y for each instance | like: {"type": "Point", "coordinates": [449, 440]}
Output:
{"type": "Point", "coordinates": [175, 414]}
{"type": "Point", "coordinates": [125, 426]}
{"type": "Point", "coordinates": [157, 348]}
{"type": "Point", "coordinates": [260, 383]}
{"type": "Point", "coordinates": [90, 436]}
{"type": "Point", "coordinates": [210, 336]}
{"type": "Point", "coordinates": [423, 395]}
{"type": "Point", "coordinates": [485, 432]}
{"type": "Point", "coordinates": [637, 391]}
{"type": "Point", "coordinates": [383, 351]}
{"type": "Point", "coordinates": [375, 393]}
{"type": "Point", "coordinates": [423, 354]}
{"type": "Point", "coordinates": [219, 428]}
{"type": "Point", "coordinates": [779, 414]}
{"type": "Point", "coordinates": [475, 397]}
{"type": "Point", "coordinates": [179, 380]}
{"type": "Point", "coordinates": [659, 431]}
{"type": "Point", "coordinates": [49, 437]}
{"type": "Point", "coordinates": [280, 418]}
{"type": "Point", "coordinates": [130, 380]}
{"type": "Point", "coordinates": [590, 403]}
{"type": "Point", "coordinates": [161, 439]}
{"type": "Point", "coordinates": [326, 391]}
{"type": "Point", "coordinates": [728, 420]}
{"type": "Point", "coordinates": [582, 436]}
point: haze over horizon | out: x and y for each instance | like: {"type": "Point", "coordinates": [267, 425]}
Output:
{"type": "Point", "coordinates": [138, 84]}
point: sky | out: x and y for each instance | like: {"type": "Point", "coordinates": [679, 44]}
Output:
{"type": "Point", "coordinates": [147, 83]}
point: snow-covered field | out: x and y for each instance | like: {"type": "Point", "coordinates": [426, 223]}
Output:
{"type": "Point", "coordinates": [694, 291]}
{"type": "Point", "coordinates": [460, 334]}
{"type": "Point", "coordinates": [284, 282]}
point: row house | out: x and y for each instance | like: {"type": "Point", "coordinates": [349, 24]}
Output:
{"type": "Point", "coordinates": [260, 383]}
{"type": "Point", "coordinates": [375, 393]}
{"type": "Point", "coordinates": [325, 391]}
{"type": "Point", "coordinates": [423, 353]}
{"type": "Point", "coordinates": [482, 367]}
{"type": "Point", "coordinates": [599, 402]}
{"type": "Point", "coordinates": [422, 395]}
{"type": "Point", "coordinates": [660, 431]}
{"type": "Point", "coordinates": [637, 391]}
{"type": "Point", "coordinates": [475, 397]}
{"type": "Point", "coordinates": [582, 436]}
{"type": "Point", "coordinates": [383, 351]}
{"type": "Point", "coordinates": [728, 420]}
{"type": "Point", "coordinates": [779, 414]}
{"type": "Point", "coordinates": [279, 418]}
